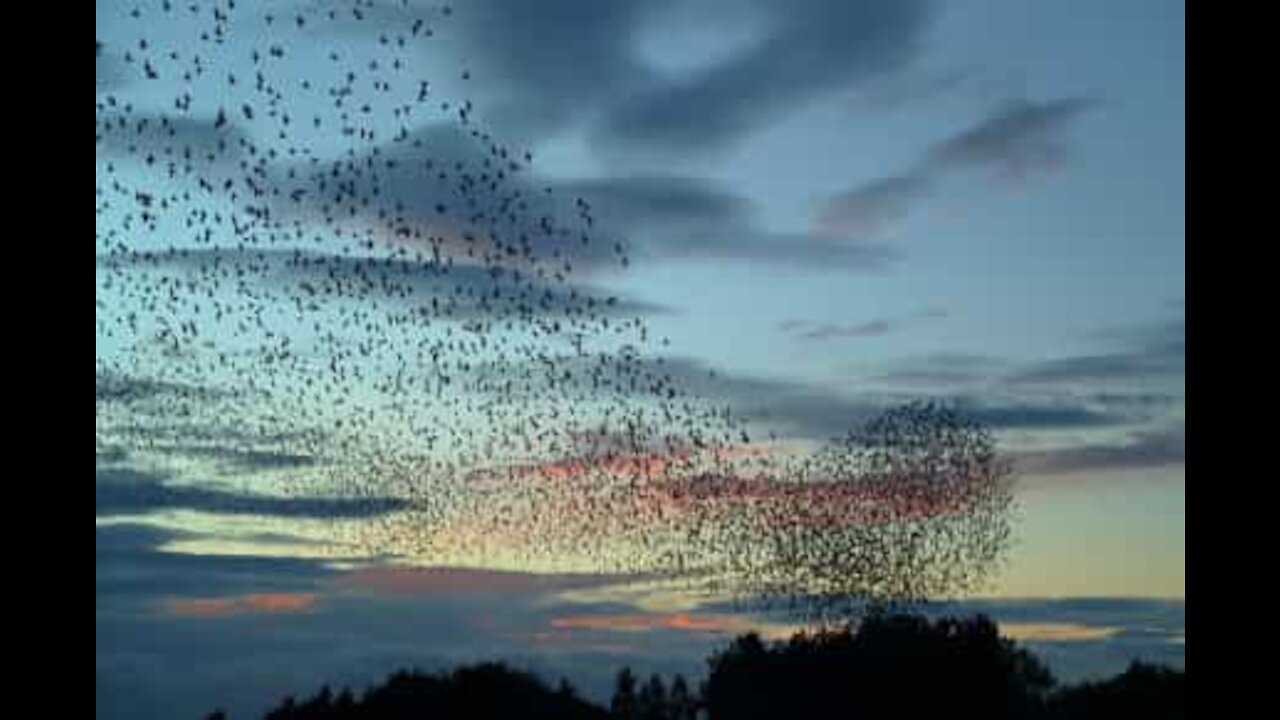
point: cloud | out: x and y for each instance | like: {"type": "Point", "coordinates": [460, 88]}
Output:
{"type": "Point", "coordinates": [216, 607]}
{"type": "Point", "coordinates": [563, 63]}
{"type": "Point", "coordinates": [1015, 142]}
{"type": "Point", "coordinates": [130, 492]}
{"type": "Point", "coordinates": [316, 277]}
{"type": "Point", "coordinates": [238, 459]}
{"type": "Point", "coordinates": [873, 208]}
{"type": "Point", "coordinates": [132, 573]}
{"type": "Point", "coordinates": [808, 49]}
{"type": "Point", "coordinates": [1056, 632]}
{"type": "Point", "coordinates": [942, 370]}
{"type": "Point", "coordinates": [673, 217]}
{"type": "Point", "coordinates": [1137, 386]}
{"type": "Point", "coordinates": [1157, 448]}
{"type": "Point", "coordinates": [188, 142]}
{"type": "Point", "coordinates": [115, 387]}
{"type": "Point", "coordinates": [806, 330]}
{"type": "Point", "coordinates": [110, 70]}
{"type": "Point", "coordinates": [659, 217]}
{"type": "Point", "coordinates": [897, 90]}
{"type": "Point", "coordinates": [814, 411]}
{"type": "Point", "coordinates": [1147, 354]}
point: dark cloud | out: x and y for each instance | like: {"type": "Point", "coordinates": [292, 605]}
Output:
{"type": "Point", "coordinates": [1015, 142]}
{"type": "Point", "coordinates": [943, 370]}
{"type": "Point", "coordinates": [674, 217]}
{"type": "Point", "coordinates": [897, 90]}
{"type": "Point", "coordinates": [1137, 378]}
{"type": "Point", "coordinates": [319, 277]}
{"type": "Point", "coordinates": [110, 70]}
{"type": "Point", "coordinates": [239, 459]}
{"type": "Point", "coordinates": [817, 412]}
{"type": "Point", "coordinates": [172, 431]}
{"type": "Point", "coordinates": [1146, 354]}
{"type": "Point", "coordinates": [121, 135]}
{"type": "Point", "coordinates": [872, 208]}
{"type": "Point", "coordinates": [110, 454]}
{"type": "Point", "coordinates": [116, 387]}
{"type": "Point", "coordinates": [809, 49]}
{"type": "Point", "coordinates": [556, 60]}
{"type": "Point", "coordinates": [1142, 450]}
{"type": "Point", "coordinates": [806, 330]}
{"type": "Point", "coordinates": [123, 491]}
{"type": "Point", "coordinates": [535, 59]}
{"type": "Point", "coordinates": [557, 64]}
{"type": "Point", "coordinates": [867, 329]}
{"type": "Point", "coordinates": [657, 217]}
{"type": "Point", "coordinates": [132, 573]}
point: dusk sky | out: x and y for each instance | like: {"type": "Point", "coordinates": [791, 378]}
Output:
{"type": "Point", "coordinates": [834, 205]}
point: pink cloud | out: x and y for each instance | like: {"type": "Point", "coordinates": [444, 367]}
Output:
{"type": "Point", "coordinates": [240, 604]}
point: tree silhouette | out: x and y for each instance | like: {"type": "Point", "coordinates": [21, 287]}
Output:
{"type": "Point", "coordinates": [1143, 691]}
{"type": "Point", "coordinates": [892, 667]}
{"type": "Point", "coordinates": [681, 704]}
{"type": "Point", "coordinates": [624, 703]}
{"type": "Point", "coordinates": [888, 667]}
{"type": "Point", "coordinates": [652, 702]}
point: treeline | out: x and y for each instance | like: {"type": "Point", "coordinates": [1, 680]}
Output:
{"type": "Point", "coordinates": [892, 667]}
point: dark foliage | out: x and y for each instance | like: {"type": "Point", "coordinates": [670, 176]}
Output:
{"type": "Point", "coordinates": [489, 691]}
{"type": "Point", "coordinates": [890, 667]}
{"type": "Point", "coordinates": [893, 667]}
{"type": "Point", "coordinates": [1143, 691]}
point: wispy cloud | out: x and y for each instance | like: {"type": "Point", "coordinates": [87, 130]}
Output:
{"type": "Point", "coordinates": [215, 607]}
{"type": "Point", "coordinates": [122, 491]}
{"type": "Point", "coordinates": [807, 330]}
{"type": "Point", "coordinates": [872, 208]}
{"type": "Point", "coordinates": [1156, 448]}
{"type": "Point", "coordinates": [1057, 632]}
{"type": "Point", "coordinates": [1016, 142]}
{"type": "Point", "coordinates": [811, 48]}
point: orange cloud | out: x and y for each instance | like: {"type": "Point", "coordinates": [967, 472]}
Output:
{"type": "Point", "coordinates": [1057, 632]}
{"type": "Point", "coordinates": [240, 604]}
{"type": "Point", "coordinates": [642, 622]}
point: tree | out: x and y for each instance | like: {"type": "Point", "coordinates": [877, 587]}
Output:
{"type": "Point", "coordinates": [624, 703]}
{"type": "Point", "coordinates": [892, 667]}
{"type": "Point", "coordinates": [652, 702]}
{"type": "Point", "coordinates": [681, 705]}
{"type": "Point", "coordinates": [1142, 691]}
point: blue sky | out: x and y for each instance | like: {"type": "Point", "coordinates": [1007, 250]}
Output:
{"type": "Point", "coordinates": [834, 205]}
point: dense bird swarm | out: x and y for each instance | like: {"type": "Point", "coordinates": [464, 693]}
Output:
{"type": "Point", "coordinates": [317, 277]}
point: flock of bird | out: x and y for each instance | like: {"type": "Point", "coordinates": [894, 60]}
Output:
{"type": "Point", "coordinates": [317, 278]}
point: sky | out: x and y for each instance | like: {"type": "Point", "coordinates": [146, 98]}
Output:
{"type": "Point", "coordinates": [833, 205]}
